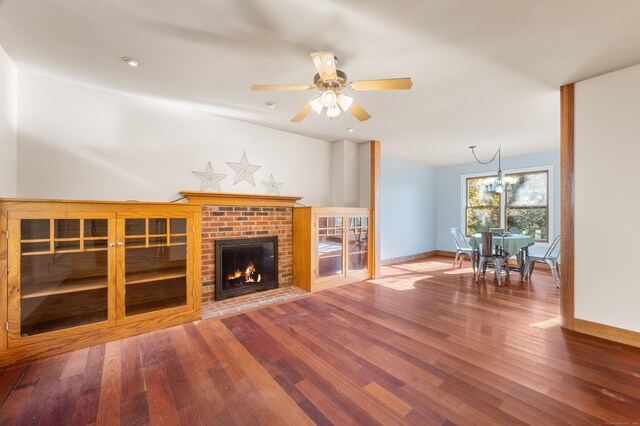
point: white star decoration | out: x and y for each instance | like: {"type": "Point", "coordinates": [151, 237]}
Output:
{"type": "Point", "coordinates": [244, 171]}
{"type": "Point", "coordinates": [209, 178]}
{"type": "Point", "coordinates": [272, 186]}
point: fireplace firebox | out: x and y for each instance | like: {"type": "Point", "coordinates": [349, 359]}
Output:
{"type": "Point", "coordinates": [246, 265]}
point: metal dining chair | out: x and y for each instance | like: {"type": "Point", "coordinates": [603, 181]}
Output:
{"type": "Point", "coordinates": [491, 255]}
{"type": "Point", "coordinates": [463, 248]}
{"type": "Point", "coordinates": [550, 258]}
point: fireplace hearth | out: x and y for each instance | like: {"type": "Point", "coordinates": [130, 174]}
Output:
{"type": "Point", "coordinates": [245, 265]}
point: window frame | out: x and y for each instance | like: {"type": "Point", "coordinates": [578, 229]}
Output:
{"type": "Point", "coordinates": [526, 170]}
{"type": "Point", "coordinates": [505, 195]}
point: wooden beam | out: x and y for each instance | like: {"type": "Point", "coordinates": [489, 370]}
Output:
{"type": "Point", "coordinates": [238, 199]}
{"type": "Point", "coordinates": [4, 284]}
{"type": "Point", "coordinates": [567, 196]}
{"type": "Point", "coordinates": [375, 208]}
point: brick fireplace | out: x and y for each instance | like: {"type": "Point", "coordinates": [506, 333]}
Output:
{"type": "Point", "coordinates": [256, 216]}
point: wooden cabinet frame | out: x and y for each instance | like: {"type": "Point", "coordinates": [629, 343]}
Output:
{"type": "Point", "coordinates": [14, 278]}
{"type": "Point", "coordinates": [305, 246]}
{"type": "Point", "coordinates": [15, 348]}
{"type": "Point", "coordinates": [121, 267]}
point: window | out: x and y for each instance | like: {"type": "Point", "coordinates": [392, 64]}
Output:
{"type": "Point", "coordinates": [524, 207]}
{"type": "Point", "coordinates": [483, 208]}
{"type": "Point", "coordinates": [527, 204]}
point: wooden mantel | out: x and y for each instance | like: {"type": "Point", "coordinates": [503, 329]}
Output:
{"type": "Point", "coordinates": [236, 199]}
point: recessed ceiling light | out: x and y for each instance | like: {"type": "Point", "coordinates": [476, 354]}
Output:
{"type": "Point", "coordinates": [350, 130]}
{"type": "Point", "coordinates": [271, 105]}
{"type": "Point", "coordinates": [132, 62]}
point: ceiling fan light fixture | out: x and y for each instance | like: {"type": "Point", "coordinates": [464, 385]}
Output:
{"type": "Point", "coordinates": [331, 81]}
{"type": "Point", "coordinates": [316, 104]}
{"type": "Point", "coordinates": [328, 60]}
{"type": "Point", "coordinates": [344, 101]}
{"type": "Point", "coordinates": [329, 98]}
{"type": "Point", "coordinates": [333, 111]}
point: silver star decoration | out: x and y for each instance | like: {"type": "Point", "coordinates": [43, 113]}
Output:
{"type": "Point", "coordinates": [272, 186]}
{"type": "Point", "coordinates": [244, 170]}
{"type": "Point", "coordinates": [209, 178]}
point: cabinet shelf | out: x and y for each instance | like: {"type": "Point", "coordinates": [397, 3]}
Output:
{"type": "Point", "coordinates": [38, 253]}
{"type": "Point", "coordinates": [142, 246]}
{"type": "Point", "coordinates": [329, 256]}
{"type": "Point", "coordinates": [154, 306]}
{"type": "Point", "coordinates": [71, 286]}
{"type": "Point", "coordinates": [63, 323]}
{"type": "Point", "coordinates": [158, 275]}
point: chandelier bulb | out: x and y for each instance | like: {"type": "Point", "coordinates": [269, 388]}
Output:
{"type": "Point", "coordinates": [329, 98]}
{"type": "Point", "coordinates": [333, 111]}
{"type": "Point", "coordinates": [344, 101]}
{"type": "Point", "coordinates": [317, 104]}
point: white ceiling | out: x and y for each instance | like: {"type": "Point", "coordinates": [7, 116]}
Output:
{"type": "Point", "coordinates": [484, 72]}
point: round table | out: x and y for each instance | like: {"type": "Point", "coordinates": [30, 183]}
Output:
{"type": "Point", "coordinates": [514, 244]}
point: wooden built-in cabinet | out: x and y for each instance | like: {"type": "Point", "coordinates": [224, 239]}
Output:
{"type": "Point", "coordinates": [75, 274]}
{"type": "Point", "coordinates": [331, 246]}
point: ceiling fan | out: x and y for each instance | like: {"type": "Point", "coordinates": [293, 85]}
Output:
{"type": "Point", "coordinates": [331, 82]}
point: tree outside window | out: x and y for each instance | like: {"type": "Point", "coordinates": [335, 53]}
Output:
{"type": "Point", "coordinates": [483, 208]}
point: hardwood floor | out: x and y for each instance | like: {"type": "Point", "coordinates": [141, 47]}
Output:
{"type": "Point", "coordinates": [422, 345]}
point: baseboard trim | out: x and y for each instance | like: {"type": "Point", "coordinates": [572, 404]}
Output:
{"type": "Point", "coordinates": [608, 332]}
{"type": "Point", "coordinates": [446, 253]}
{"type": "Point", "coordinates": [408, 258]}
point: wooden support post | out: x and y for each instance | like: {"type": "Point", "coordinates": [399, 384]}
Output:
{"type": "Point", "coordinates": [567, 205]}
{"type": "Point", "coordinates": [375, 208]}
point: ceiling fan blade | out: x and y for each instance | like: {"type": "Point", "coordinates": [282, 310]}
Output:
{"type": "Point", "coordinates": [282, 87]}
{"type": "Point", "coordinates": [384, 84]}
{"type": "Point", "coordinates": [359, 112]}
{"type": "Point", "coordinates": [325, 64]}
{"type": "Point", "coordinates": [306, 109]}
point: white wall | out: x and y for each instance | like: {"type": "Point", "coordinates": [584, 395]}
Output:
{"type": "Point", "coordinates": [8, 126]}
{"type": "Point", "coordinates": [81, 142]}
{"type": "Point", "coordinates": [351, 174]}
{"type": "Point", "coordinates": [365, 174]}
{"type": "Point", "coordinates": [337, 173]}
{"type": "Point", "coordinates": [607, 199]}
{"type": "Point", "coordinates": [345, 174]}
{"type": "Point", "coordinates": [408, 201]}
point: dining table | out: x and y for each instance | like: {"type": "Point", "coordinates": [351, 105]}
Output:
{"type": "Point", "coordinates": [513, 244]}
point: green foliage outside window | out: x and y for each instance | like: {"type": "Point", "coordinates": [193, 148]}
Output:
{"type": "Point", "coordinates": [483, 208]}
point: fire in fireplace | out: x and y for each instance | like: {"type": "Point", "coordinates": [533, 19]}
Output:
{"type": "Point", "coordinates": [246, 265]}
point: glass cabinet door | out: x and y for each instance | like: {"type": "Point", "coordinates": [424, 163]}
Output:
{"type": "Point", "coordinates": [155, 264]}
{"type": "Point", "coordinates": [64, 272]}
{"type": "Point", "coordinates": [330, 246]}
{"type": "Point", "coordinates": [358, 238]}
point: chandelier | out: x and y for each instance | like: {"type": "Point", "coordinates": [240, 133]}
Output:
{"type": "Point", "coordinates": [501, 183]}
{"type": "Point", "coordinates": [334, 101]}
